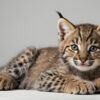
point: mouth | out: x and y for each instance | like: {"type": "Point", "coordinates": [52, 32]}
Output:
{"type": "Point", "coordinates": [89, 65]}
{"type": "Point", "coordinates": [84, 65]}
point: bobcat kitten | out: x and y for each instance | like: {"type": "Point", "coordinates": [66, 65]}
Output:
{"type": "Point", "coordinates": [74, 67]}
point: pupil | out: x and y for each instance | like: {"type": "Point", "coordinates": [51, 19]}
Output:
{"type": "Point", "coordinates": [74, 47]}
{"type": "Point", "coordinates": [93, 48]}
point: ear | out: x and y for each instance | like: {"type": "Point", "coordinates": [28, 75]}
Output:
{"type": "Point", "coordinates": [98, 29]}
{"type": "Point", "coordinates": [64, 27]}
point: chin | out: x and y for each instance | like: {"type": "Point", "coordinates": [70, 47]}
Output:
{"type": "Point", "coordinates": [84, 68]}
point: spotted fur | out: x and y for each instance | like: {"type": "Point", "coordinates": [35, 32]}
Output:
{"type": "Point", "coordinates": [74, 67]}
{"type": "Point", "coordinates": [17, 69]}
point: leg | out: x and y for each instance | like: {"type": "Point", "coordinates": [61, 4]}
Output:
{"type": "Point", "coordinates": [53, 82]}
{"type": "Point", "coordinates": [97, 83]}
{"type": "Point", "coordinates": [14, 72]}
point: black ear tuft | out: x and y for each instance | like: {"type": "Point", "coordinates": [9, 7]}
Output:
{"type": "Point", "coordinates": [60, 15]}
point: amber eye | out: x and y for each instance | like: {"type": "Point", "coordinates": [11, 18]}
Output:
{"type": "Point", "coordinates": [74, 47]}
{"type": "Point", "coordinates": [93, 48]}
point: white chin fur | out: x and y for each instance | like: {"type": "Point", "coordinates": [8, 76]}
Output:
{"type": "Point", "coordinates": [83, 68]}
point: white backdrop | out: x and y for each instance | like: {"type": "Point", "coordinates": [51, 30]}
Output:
{"type": "Point", "coordinates": [35, 95]}
{"type": "Point", "coordinates": [33, 22]}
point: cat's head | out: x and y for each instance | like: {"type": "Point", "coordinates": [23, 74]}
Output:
{"type": "Point", "coordinates": [79, 44]}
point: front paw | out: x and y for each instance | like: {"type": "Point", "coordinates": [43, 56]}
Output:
{"type": "Point", "coordinates": [7, 82]}
{"type": "Point", "coordinates": [80, 87]}
{"type": "Point", "coordinates": [97, 84]}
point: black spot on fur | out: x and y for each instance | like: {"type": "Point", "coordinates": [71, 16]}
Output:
{"type": "Point", "coordinates": [62, 83]}
{"type": "Point", "coordinates": [56, 83]}
{"type": "Point", "coordinates": [15, 66]}
{"type": "Point", "coordinates": [41, 78]}
{"type": "Point", "coordinates": [60, 78]}
{"type": "Point", "coordinates": [51, 90]}
{"type": "Point", "coordinates": [16, 71]}
{"type": "Point", "coordinates": [22, 56]}
{"type": "Point", "coordinates": [63, 80]}
{"type": "Point", "coordinates": [21, 77]}
{"type": "Point", "coordinates": [44, 84]}
{"type": "Point", "coordinates": [59, 88]}
{"type": "Point", "coordinates": [49, 85]}
{"type": "Point", "coordinates": [25, 61]}
{"type": "Point", "coordinates": [50, 74]}
{"type": "Point", "coordinates": [20, 64]}
{"type": "Point", "coordinates": [54, 79]}
{"type": "Point", "coordinates": [27, 53]}
{"type": "Point", "coordinates": [9, 71]}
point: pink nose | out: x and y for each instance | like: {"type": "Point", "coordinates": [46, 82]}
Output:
{"type": "Point", "coordinates": [83, 60]}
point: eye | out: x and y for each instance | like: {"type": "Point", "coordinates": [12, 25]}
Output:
{"type": "Point", "coordinates": [74, 47]}
{"type": "Point", "coordinates": [93, 49]}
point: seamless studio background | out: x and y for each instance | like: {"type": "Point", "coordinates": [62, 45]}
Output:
{"type": "Point", "coordinates": [25, 23]}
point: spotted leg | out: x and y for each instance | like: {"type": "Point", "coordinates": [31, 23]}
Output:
{"type": "Point", "coordinates": [15, 71]}
{"type": "Point", "coordinates": [53, 82]}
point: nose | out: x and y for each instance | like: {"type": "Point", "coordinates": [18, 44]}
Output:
{"type": "Point", "coordinates": [83, 59]}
